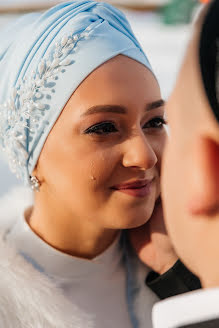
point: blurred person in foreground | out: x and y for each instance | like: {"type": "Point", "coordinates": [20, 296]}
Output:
{"type": "Point", "coordinates": [190, 179]}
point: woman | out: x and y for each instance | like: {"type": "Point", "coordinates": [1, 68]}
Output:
{"type": "Point", "coordinates": [82, 122]}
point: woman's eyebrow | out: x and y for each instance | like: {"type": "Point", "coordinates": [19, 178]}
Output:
{"type": "Point", "coordinates": [105, 109]}
{"type": "Point", "coordinates": [117, 109]}
{"type": "Point", "coordinates": [155, 104]}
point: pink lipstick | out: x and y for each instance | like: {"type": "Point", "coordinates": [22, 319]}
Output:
{"type": "Point", "coordinates": [137, 188]}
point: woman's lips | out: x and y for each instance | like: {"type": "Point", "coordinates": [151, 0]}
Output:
{"type": "Point", "coordinates": [138, 188]}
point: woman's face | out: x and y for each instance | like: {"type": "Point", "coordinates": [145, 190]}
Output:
{"type": "Point", "coordinates": [110, 134]}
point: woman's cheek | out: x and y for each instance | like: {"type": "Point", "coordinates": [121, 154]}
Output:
{"type": "Point", "coordinates": [102, 167]}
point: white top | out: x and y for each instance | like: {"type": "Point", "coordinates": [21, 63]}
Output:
{"type": "Point", "coordinates": [185, 309]}
{"type": "Point", "coordinates": [96, 286]}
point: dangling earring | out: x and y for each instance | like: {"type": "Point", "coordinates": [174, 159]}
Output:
{"type": "Point", "coordinates": [35, 184]}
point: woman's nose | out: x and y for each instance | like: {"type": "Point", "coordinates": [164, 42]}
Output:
{"type": "Point", "coordinates": [139, 153]}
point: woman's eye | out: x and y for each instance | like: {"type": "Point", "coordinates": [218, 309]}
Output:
{"type": "Point", "coordinates": [102, 128]}
{"type": "Point", "coordinates": [155, 123]}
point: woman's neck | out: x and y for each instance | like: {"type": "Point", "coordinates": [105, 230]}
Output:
{"type": "Point", "coordinates": [75, 237]}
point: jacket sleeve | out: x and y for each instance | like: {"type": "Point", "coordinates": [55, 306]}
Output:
{"type": "Point", "coordinates": [177, 280]}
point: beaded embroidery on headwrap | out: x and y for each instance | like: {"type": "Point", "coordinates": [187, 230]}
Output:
{"type": "Point", "coordinates": [38, 75]}
{"type": "Point", "coordinates": [26, 101]}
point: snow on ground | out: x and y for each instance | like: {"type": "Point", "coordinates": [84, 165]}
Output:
{"type": "Point", "coordinates": [164, 46]}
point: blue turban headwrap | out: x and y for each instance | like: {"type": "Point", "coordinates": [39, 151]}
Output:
{"type": "Point", "coordinates": [43, 59]}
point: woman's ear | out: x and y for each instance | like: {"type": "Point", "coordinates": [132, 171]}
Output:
{"type": "Point", "coordinates": [204, 194]}
{"type": "Point", "coordinates": [36, 172]}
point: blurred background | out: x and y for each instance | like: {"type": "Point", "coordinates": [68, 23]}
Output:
{"type": "Point", "coordinates": [163, 28]}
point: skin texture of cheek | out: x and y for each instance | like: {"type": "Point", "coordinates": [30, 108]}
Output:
{"type": "Point", "coordinates": [98, 167]}
{"type": "Point", "coordinates": [88, 180]}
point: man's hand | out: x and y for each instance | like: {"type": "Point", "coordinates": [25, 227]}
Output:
{"type": "Point", "coordinates": [152, 244]}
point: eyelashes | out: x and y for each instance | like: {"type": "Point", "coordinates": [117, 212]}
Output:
{"type": "Point", "coordinates": [108, 127]}
{"type": "Point", "coordinates": [102, 128]}
{"type": "Point", "coordinates": [157, 123]}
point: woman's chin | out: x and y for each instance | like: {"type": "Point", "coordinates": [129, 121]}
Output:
{"type": "Point", "coordinates": [136, 223]}
{"type": "Point", "coordinates": [134, 213]}
{"type": "Point", "coordinates": [130, 222]}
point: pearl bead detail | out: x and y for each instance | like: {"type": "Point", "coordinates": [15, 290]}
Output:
{"type": "Point", "coordinates": [24, 110]}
